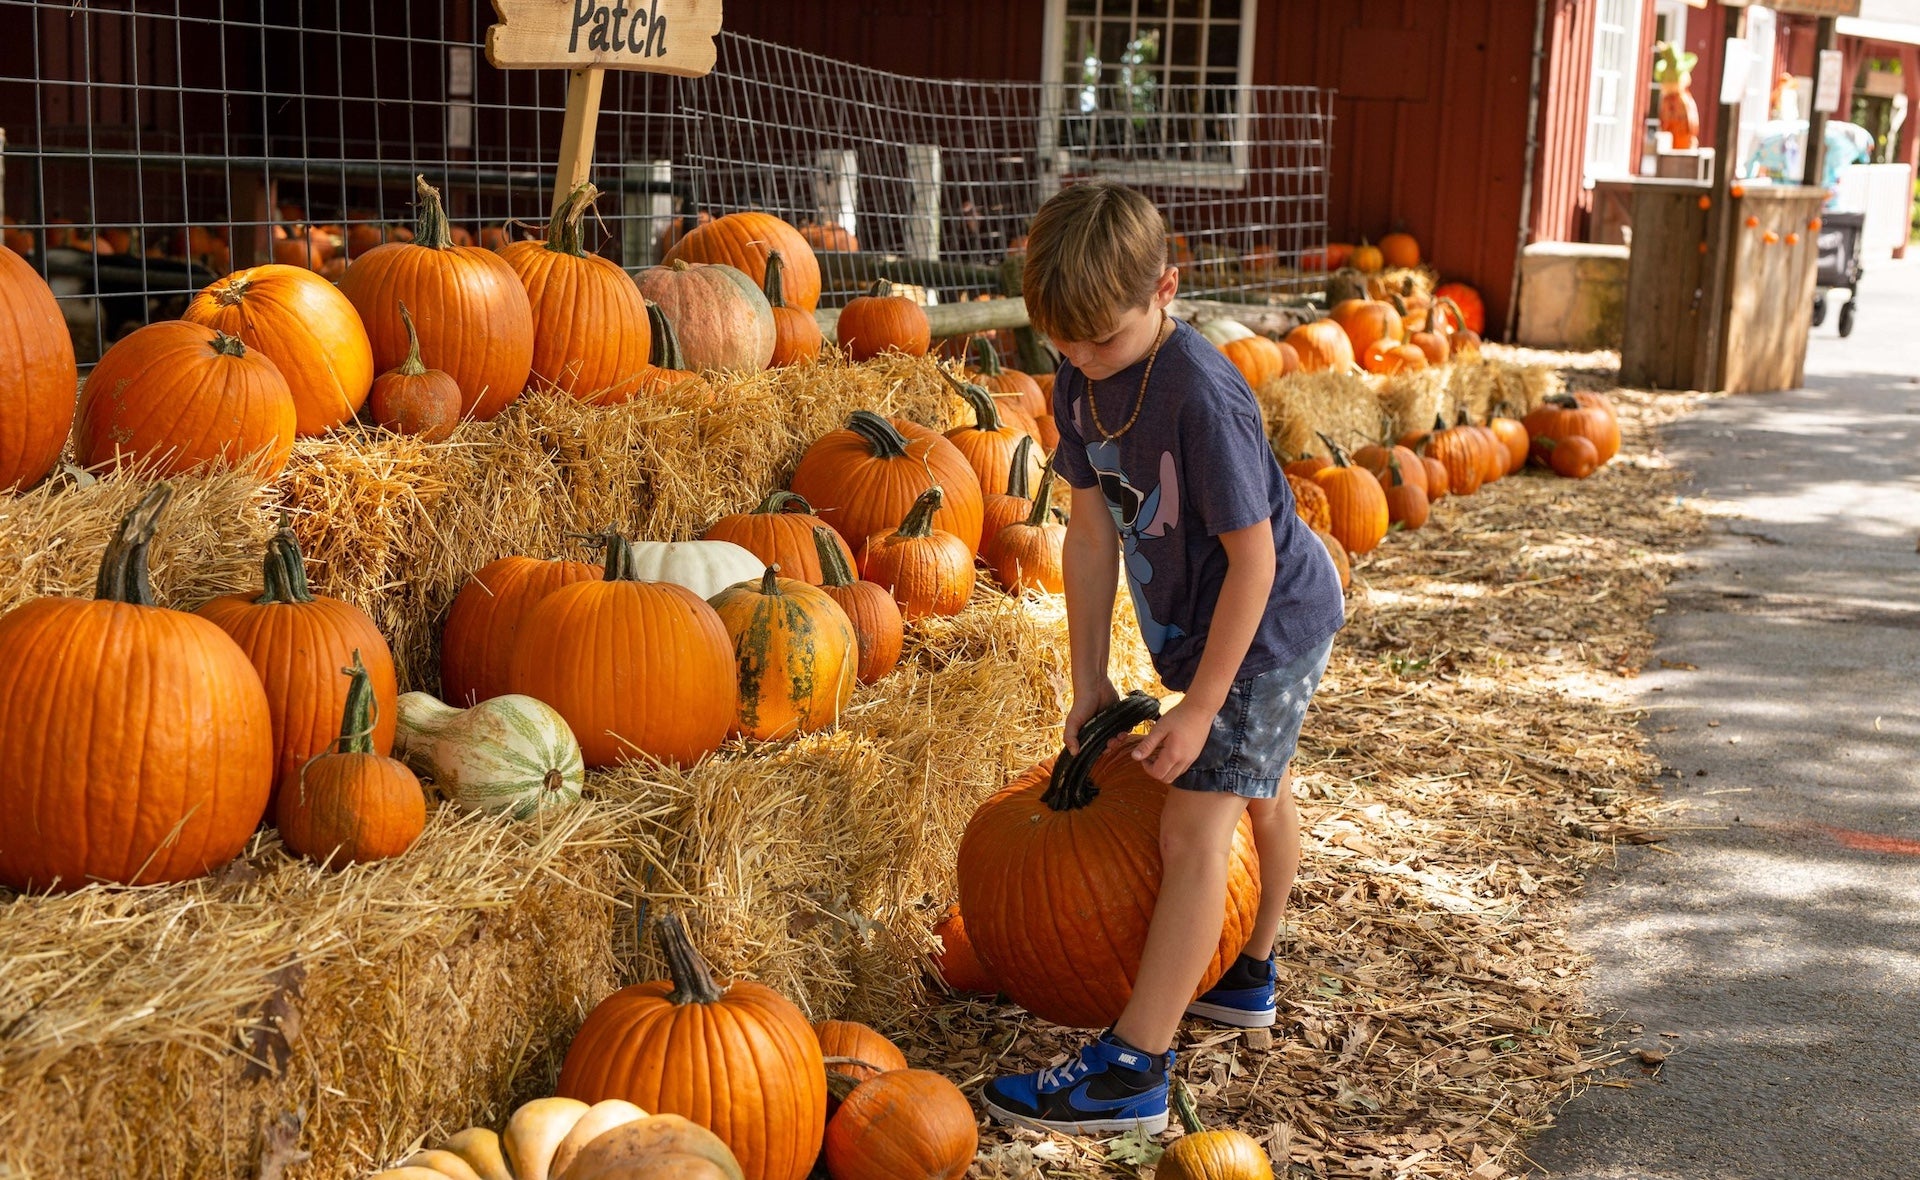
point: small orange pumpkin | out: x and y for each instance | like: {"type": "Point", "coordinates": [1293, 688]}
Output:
{"type": "Point", "coordinates": [413, 399]}
{"type": "Point", "coordinates": [929, 571]}
{"type": "Point", "coordinates": [881, 321]}
{"type": "Point", "coordinates": [875, 616]}
{"type": "Point", "coordinates": [796, 654]}
{"type": "Point", "coordinates": [796, 334]}
{"type": "Point", "coordinates": [1323, 347]}
{"type": "Point", "coordinates": [1030, 555]}
{"type": "Point", "coordinates": [779, 532]}
{"type": "Point", "coordinates": [353, 805]}
{"type": "Point", "coordinates": [904, 1123]}
{"type": "Point", "coordinates": [1356, 502]}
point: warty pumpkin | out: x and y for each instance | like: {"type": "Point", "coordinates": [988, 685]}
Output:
{"type": "Point", "coordinates": [175, 396]}
{"type": "Point", "coordinates": [989, 445]}
{"type": "Point", "coordinates": [678, 1046]}
{"type": "Point", "coordinates": [1355, 501]}
{"type": "Point", "coordinates": [796, 653]}
{"type": "Point", "coordinates": [636, 668]}
{"type": "Point", "coordinates": [476, 645]}
{"type": "Point", "coordinates": [352, 805]}
{"type": "Point", "coordinates": [38, 375]}
{"type": "Point", "coordinates": [474, 319]}
{"type": "Point", "coordinates": [591, 334]}
{"type": "Point", "coordinates": [796, 334]}
{"type": "Point", "coordinates": [1323, 347]}
{"type": "Point", "coordinates": [139, 745]}
{"type": "Point", "coordinates": [1029, 555]}
{"type": "Point", "coordinates": [509, 753]}
{"type": "Point", "coordinates": [875, 616]}
{"type": "Point", "coordinates": [720, 318]}
{"type": "Point", "coordinates": [309, 330]}
{"type": "Point", "coordinates": [298, 641]}
{"type": "Point", "coordinates": [863, 478]}
{"type": "Point", "coordinates": [907, 1124]}
{"type": "Point", "coordinates": [880, 321]}
{"type": "Point", "coordinates": [1059, 871]}
{"type": "Point", "coordinates": [928, 570]}
{"type": "Point", "coordinates": [413, 399]}
{"type": "Point", "coordinates": [744, 241]}
{"type": "Point", "coordinates": [778, 532]}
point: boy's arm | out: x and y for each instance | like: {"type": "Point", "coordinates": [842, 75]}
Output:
{"type": "Point", "coordinates": [1091, 558]}
{"type": "Point", "coordinates": [1178, 737]}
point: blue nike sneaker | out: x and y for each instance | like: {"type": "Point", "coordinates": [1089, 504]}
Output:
{"type": "Point", "coordinates": [1229, 1002]}
{"type": "Point", "coordinates": [1110, 1087]}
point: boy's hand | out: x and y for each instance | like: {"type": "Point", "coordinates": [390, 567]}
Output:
{"type": "Point", "coordinates": [1085, 705]}
{"type": "Point", "coordinates": [1175, 741]}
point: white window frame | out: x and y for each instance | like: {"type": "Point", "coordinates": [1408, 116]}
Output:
{"type": "Point", "coordinates": [1627, 96]}
{"type": "Point", "coordinates": [1193, 174]}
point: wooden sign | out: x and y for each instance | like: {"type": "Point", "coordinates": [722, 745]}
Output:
{"type": "Point", "coordinates": [660, 36]}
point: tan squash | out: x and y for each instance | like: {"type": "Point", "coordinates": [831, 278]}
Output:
{"type": "Point", "coordinates": [536, 1131]}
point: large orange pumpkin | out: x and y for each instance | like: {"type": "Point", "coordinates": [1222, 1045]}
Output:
{"type": "Point", "coordinates": [929, 570]}
{"type": "Point", "coordinates": [880, 321]}
{"type": "Point", "coordinates": [1059, 872]}
{"type": "Point", "coordinates": [1367, 321]}
{"type": "Point", "coordinates": [796, 334]}
{"type": "Point", "coordinates": [138, 742]}
{"type": "Point", "coordinates": [907, 1124]}
{"type": "Point", "coordinates": [38, 377]}
{"type": "Point", "coordinates": [685, 1046]}
{"type": "Point", "coordinates": [1457, 450]}
{"type": "Point", "coordinates": [476, 646]}
{"type": "Point", "coordinates": [1463, 305]}
{"type": "Point", "coordinates": [1356, 503]}
{"type": "Point", "coordinates": [298, 642]}
{"type": "Point", "coordinates": [474, 318]}
{"type": "Point", "coordinates": [863, 478]}
{"type": "Point", "coordinates": [719, 315]}
{"type": "Point", "coordinates": [796, 653]}
{"type": "Point", "coordinates": [353, 804]}
{"type": "Point", "coordinates": [177, 396]}
{"type": "Point", "coordinates": [1323, 347]}
{"type": "Point", "coordinates": [1561, 416]}
{"type": "Point", "coordinates": [744, 240]}
{"type": "Point", "coordinates": [308, 328]}
{"type": "Point", "coordinates": [636, 668]}
{"type": "Point", "coordinates": [831, 236]}
{"type": "Point", "coordinates": [1260, 360]}
{"type": "Point", "coordinates": [869, 607]}
{"type": "Point", "coordinates": [779, 532]}
{"type": "Point", "coordinates": [591, 337]}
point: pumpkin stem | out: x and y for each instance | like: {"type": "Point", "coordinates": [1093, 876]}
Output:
{"type": "Point", "coordinates": [1018, 483]}
{"type": "Point", "coordinates": [692, 977]}
{"type": "Point", "coordinates": [1071, 785]}
{"type": "Point", "coordinates": [1333, 449]}
{"type": "Point", "coordinates": [666, 345]}
{"type": "Point", "coordinates": [554, 780]}
{"type": "Point", "coordinates": [777, 502]}
{"type": "Point", "coordinates": [233, 291]}
{"type": "Point", "coordinates": [283, 573]}
{"type": "Point", "coordinates": [412, 366]}
{"type": "Point", "coordinates": [620, 560]}
{"type": "Point", "coordinates": [986, 415]}
{"type": "Point", "coordinates": [775, 284]}
{"type": "Point", "coordinates": [227, 345]}
{"type": "Point", "coordinates": [834, 570]}
{"type": "Point", "coordinates": [881, 289]}
{"type": "Point", "coordinates": [356, 721]}
{"type": "Point", "coordinates": [1393, 465]}
{"type": "Point", "coordinates": [431, 230]}
{"type": "Point", "coordinates": [123, 566]}
{"type": "Point", "coordinates": [563, 229]}
{"type": "Point", "coordinates": [919, 521]}
{"type": "Point", "coordinates": [1563, 401]}
{"type": "Point", "coordinates": [1183, 1106]}
{"type": "Point", "coordinates": [989, 362]}
{"type": "Point", "coordinates": [883, 439]}
{"type": "Point", "coordinates": [1439, 422]}
{"type": "Point", "coordinates": [1042, 499]}
{"type": "Point", "coordinates": [770, 581]}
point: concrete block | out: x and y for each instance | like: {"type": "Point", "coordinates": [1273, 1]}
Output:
{"type": "Point", "coordinates": [1573, 295]}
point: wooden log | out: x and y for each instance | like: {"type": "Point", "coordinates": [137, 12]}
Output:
{"type": "Point", "coordinates": [991, 315]}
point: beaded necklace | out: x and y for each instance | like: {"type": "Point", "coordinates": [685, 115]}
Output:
{"type": "Point", "coordinates": [1140, 399]}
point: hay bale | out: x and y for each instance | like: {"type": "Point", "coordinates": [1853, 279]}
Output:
{"type": "Point", "coordinates": [1300, 407]}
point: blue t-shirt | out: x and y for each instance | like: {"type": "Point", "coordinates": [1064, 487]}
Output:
{"type": "Point", "coordinates": [1195, 464]}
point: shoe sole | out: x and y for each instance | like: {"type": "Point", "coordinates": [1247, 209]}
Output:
{"type": "Point", "coordinates": [1150, 1125]}
{"type": "Point", "coordinates": [1237, 1017]}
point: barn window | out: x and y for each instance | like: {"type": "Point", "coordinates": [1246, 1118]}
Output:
{"type": "Point", "coordinates": [1613, 106]}
{"type": "Point", "coordinates": [1148, 90]}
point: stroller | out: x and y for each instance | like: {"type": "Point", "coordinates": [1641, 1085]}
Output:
{"type": "Point", "coordinates": [1839, 267]}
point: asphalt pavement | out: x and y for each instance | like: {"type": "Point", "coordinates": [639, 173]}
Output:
{"type": "Point", "coordinates": [1767, 956]}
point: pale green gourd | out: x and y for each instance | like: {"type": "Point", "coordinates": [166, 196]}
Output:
{"type": "Point", "coordinates": [509, 753]}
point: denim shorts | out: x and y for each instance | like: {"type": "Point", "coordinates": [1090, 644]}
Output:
{"type": "Point", "coordinates": [1256, 731]}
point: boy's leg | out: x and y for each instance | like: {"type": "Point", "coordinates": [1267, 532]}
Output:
{"type": "Point", "coordinates": [1196, 840]}
{"type": "Point", "coordinates": [1276, 833]}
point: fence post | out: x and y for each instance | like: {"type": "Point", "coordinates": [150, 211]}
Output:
{"type": "Point", "coordinates": [922, 230]}
{"type": "Point", "coordinates": [650, 210]}
{"type": "Point", "coordinates": [836, 181]}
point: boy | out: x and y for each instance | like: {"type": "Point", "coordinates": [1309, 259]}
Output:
{"type": "Point", "coordinates": [1238, 602]}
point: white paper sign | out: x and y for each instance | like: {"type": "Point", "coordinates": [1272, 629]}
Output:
{"type": "Point", "coordinates": [1734, 64]}
{"type": "Point", "coordinates": [1826, 92]}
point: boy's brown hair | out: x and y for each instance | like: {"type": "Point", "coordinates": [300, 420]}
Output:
{"type": "Point", "coordinates": [1093, 251]}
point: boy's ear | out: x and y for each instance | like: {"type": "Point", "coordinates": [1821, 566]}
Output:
{"type": "Point", "coordinates": [1168, 287]}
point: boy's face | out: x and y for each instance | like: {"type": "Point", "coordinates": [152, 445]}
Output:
{"type": "Point", "coordinates": [1127, 339]}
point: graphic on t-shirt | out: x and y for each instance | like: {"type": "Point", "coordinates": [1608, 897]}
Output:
{"type": "Point", "coordinates": [1160, 509]}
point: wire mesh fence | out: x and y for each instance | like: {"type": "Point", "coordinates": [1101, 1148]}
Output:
{"type": "Point", "coordinates": [151, 147]}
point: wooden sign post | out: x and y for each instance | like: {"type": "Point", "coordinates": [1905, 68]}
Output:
{"type": "Point", "coordinates": [590, 37]}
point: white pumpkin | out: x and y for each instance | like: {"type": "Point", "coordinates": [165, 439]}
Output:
{"type": "Point", "coordinates": [509, 753]}
{"type": "Point", "coordinates": [704, 567]}
{"type": "Point", "coordinates": [1223, 331]}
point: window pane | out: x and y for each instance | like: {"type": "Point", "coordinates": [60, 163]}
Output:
{"type": "Point", "coordinates": [1153, 9]}
{"type": "Point", "coordinates": [1223, 46]}
{"type": "Point", "coordinates": [1080, 7]}
{"type": "Point", "coordinates": [1117, 7]}
{"type": "Point", "coordinates": [1188, 9]}
{"type": "Point", "coordinates": [1226, 9]}
{"type": "Point", "coordinates": [1114, 36]}
{"type": "Point", "coordinates": [1186, 46]}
